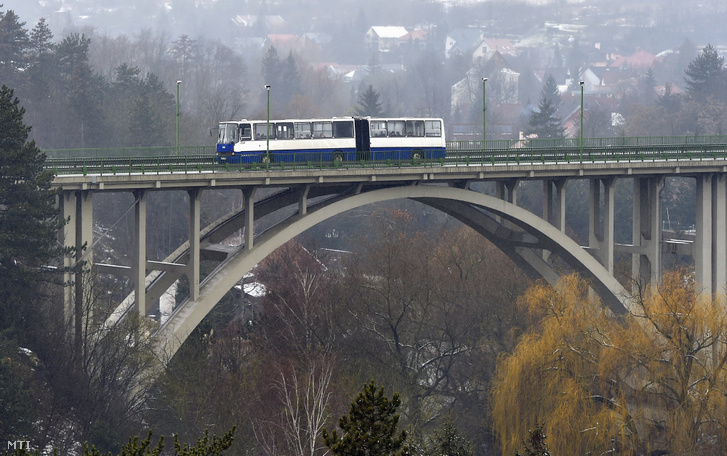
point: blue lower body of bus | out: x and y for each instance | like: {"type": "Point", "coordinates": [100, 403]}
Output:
{"type": "Point", "coordinates": [274, 156]}
{"type": "Point", "coordinates": [408, 153]}
{"type": "Point", "coordinates": [326, 155]}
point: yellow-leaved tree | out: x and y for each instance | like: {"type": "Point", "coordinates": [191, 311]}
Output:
{"type": "Point", "coordinates": [648, 382]}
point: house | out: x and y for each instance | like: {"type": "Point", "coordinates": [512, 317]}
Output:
{"type": "Point", "coordinates": [592, 81]}
{"type": "Point", "coordinates": [503, 80]}
{"type": "Point", "coordinates": [416, 39]}
{"type": "Point", "coordinates": [460, 41]}
{"type": "Point", "coordinates": [384, 38]}
{"type": "Point", "coordinates": [502, 86]}
{"type": "Point", "coordinates": [248, 20]}
{"type": "Point", "coordinates": [488, 46]}
{"type": "Point", "coordinates": [640, 60]}
{"type": "Point", "coordinates": [283, 43]}
{"type": "Point", "coordinates": [466, 92]}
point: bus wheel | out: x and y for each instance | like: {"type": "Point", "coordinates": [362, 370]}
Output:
{"type": "Point", "coordinates": [265, 159]}
{"type": "Point", "coordinates": [337, 157]}
{"type": "Point", "coordinates": [416, 155]}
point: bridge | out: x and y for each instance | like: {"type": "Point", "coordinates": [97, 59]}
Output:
{"type": "Point", "coordinates": [304, 194]}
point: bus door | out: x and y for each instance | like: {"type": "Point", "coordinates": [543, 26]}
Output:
{"type": "Point", "coordinates": [363, 140]}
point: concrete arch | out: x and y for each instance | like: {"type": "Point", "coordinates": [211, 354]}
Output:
{"type": "Point", "coordinates": [469, 206]}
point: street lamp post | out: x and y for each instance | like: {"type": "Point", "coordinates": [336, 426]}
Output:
{"type": "Point", "coordinates": [178, 84]}
{"type": "Point", "coordinates": [267, 144]}
{"type": "Point", "coordinates": [581, 142]}
{"type": "Point", "coordinates": [484, 109]}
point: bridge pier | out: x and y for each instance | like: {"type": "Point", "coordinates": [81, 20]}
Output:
{"type": "Point", "coordinates": [248, 195]}
{"type": "Point", "coordinates": [193, 265]}
{"type": "Point", "coordinates": [601, 221]}
{"type": "Point", "coordinates": [710, 244]}
{"type": "Point", "coordinates": [138, 268]}
{"type": "Point", "coordinates": [646, 259]}
{"type": "Point", "coordinates": [77, 208]}
{"type": "Point", "coordinates": [719, 232]}
{"type": "Point", "coordinates": [554, 211]}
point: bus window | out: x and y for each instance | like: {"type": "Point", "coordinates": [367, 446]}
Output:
{"type": "Point", "coordinates": [245, 132]}
{"type": "Point", "coordinates": [415, 128]}
{"type": "Point", "coordinates": [433, 127]}
{"type": "Point", "coordinates": [322, 130]}
{"type": "Point", "coordinates": [378, 128]}
{"type": "Point", "coordinates": [284, 130]}
{"type": "Point", "coordinates": [227, 133]}
{"type": "Point", "coordinates": [396, 128]}
{"type": "Point", "coordinates": [302, 130]}
{"type": "Point", "coordinates": [343, 129]}
{"type": "Point", "coordinates": [261, 130]}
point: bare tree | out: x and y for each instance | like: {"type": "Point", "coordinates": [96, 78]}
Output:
{"type": "Point", "coordinates": [305, 401]}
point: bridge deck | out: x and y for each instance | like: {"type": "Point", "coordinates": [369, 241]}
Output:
{"type": "Point", "coordinates": [625, 153]}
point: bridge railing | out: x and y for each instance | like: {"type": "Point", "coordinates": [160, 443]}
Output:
{"type": "Point", "coordinates": [128, 152]}
{"type": "Point", "coordinates": [459, 153]}
{"type": "Point", "coordinates": [569, 150]}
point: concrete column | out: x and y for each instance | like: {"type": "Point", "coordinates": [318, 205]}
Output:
{"type": "Point", "coordinates": [601, 221]}
{"type": "Point", "coordinates": [719, 233]}
{"type": "Point", "coordinates": [560, 204]}
{"type": "Point", "coordinates": [248, 195]}
{"type": "Point", "coordinates": [594, 214]}
{"type": "Point", "coordinates": [68, 239]}
{"type": "Point", "coordinates": [703, 240]}
{"type": "Point", "coordinates": [646, 260]}
{"type": "Point", "coordinates": [303, 200]}
{"type": "Point", "coordinates": [507, 190]}
{"type": "Point", "coordinates": [554, 208]}
{"type": "Point", "coordinates": [194, 242]}
{"type": "Point", "coordinates": [500, 190]}
{"type": "Point", "coordinates": [139, 265]}
{"type": "Point", "coordinates": [547, 209]}
{"type": "Point", "coordinates": [607, 241]}
{"type": "Point", "coordinates": [548, 201]}
{"type": "Point", "coordinates": [77, 235]}
{"type": "Point", "coordinates": [84, 259]}
{"type": "Point", "coordinates": [512, 191]}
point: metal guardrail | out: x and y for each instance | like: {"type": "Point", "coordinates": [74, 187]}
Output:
{"type": "Point", "coordinates": [155, 160]}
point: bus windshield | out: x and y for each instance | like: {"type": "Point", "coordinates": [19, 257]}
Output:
{"type": "Point", "coordinates": [227, 133]}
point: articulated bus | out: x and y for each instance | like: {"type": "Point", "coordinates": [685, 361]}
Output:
{"type": "Point", "coordinates": [334, 140]}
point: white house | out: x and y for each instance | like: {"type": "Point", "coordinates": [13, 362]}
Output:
{"type": "Point", "coordinates": [385, 37]}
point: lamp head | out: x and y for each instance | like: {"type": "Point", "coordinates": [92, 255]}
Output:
{"type": "Point", "coordinates": [267, 86]}
{"type": "Point", "coordinates": [484, 79]}
{"type": "Point", "coordinates": [581, 83]}
{"type": "Point", "coordinates": [179, 82]}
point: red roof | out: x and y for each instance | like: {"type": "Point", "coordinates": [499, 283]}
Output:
{"type": "Point", "coordinates": [640, 59]}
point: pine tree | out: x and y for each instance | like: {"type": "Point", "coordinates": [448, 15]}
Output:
{"type": "Point", "coordinates": [535, 445]}
{"type": "Point", "coordinates": [370, 427]}
{"type": "Point", "coordinates": [705, 75]}
{"type": "Point", "coordinates": [546, 122]}
{"type": "Point", "coordinates": [551, 91]}
{"type": "Point", "coordinates": [448, 442]}
{"type": "Point", "coordinates": [41, 39]}
{"type": "Point", "coordinates": [271, 67]}
{"type": "Point", "coordinates": [28, 230]}
{"type": "Point", "coordinates": [14, 44]}
{"type": "Point", "coordinates": [83, 122]}
{"type": "Point", "coordinates": [28, 215]}
{"type": "Point", "coordinates": [369, 104]}
{"type": "Point", "coordinates": [289, 79]}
